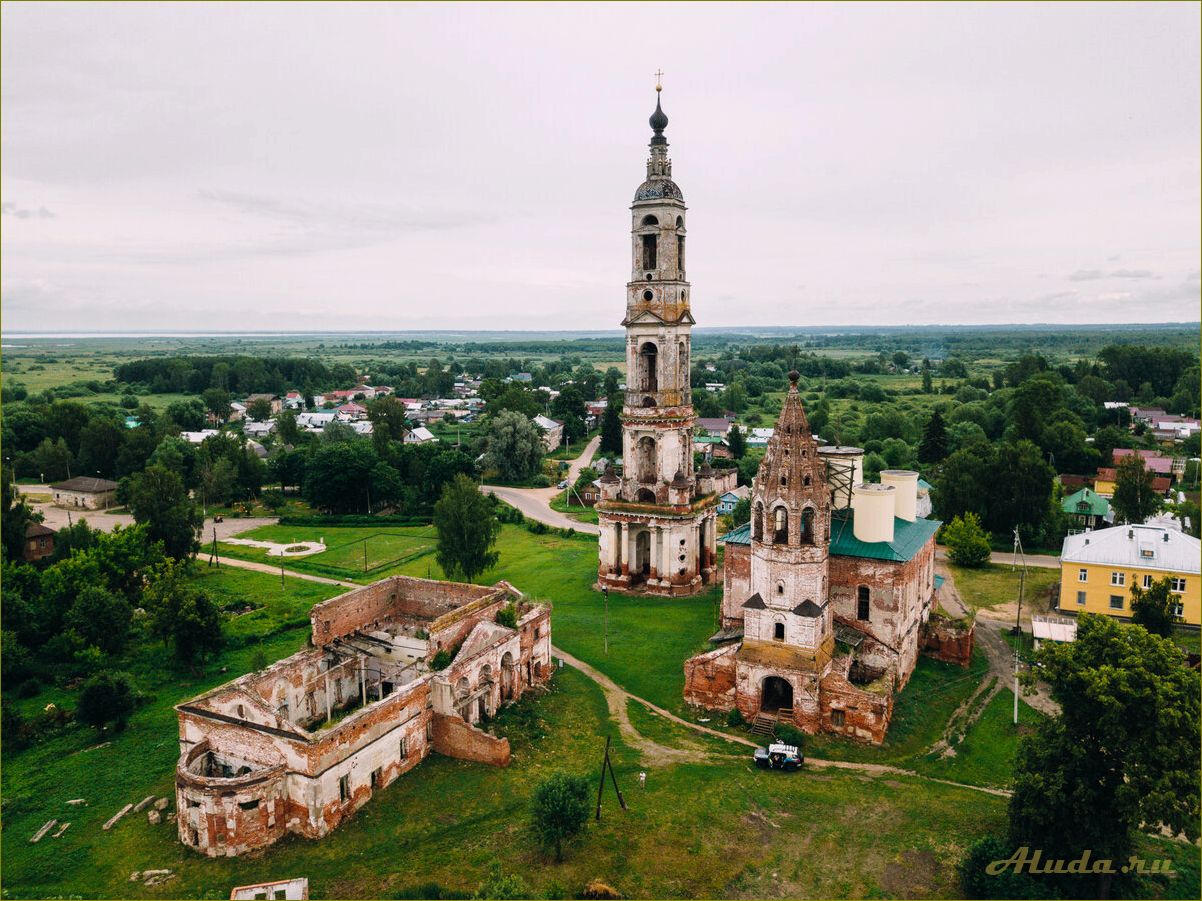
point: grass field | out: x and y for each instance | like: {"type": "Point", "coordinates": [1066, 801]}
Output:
{"type": "Point", "coordinates": [986, 754]}
{"type": "Point", "coordinates": [575, 511]}
{"type": "Point", "coordinates": [995, 584]}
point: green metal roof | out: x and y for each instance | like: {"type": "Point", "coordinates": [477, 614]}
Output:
{"type": "Point", "coordinates": [908, 538]}
{"type": "Point", "coordinates": [1096, 505]}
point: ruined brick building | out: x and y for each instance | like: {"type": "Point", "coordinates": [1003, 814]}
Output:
{"type": "Point", "coordinates": [300, 746]}
{"type": "Point", "coordinates": [658, 521]}
{"type": "Point", "coordinates": [830, 587]}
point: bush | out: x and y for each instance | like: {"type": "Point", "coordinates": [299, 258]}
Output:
{"type": "Point", "coordinates": [106, 698]}
{"type": "Point", "coordinates": [559, 810]}
{"type": "Point", "coordinates": [734, 719]}
{"type": "Point", "coordinates": [273, 499]}
{"type": "Point", "coordinates": [976, 883]}
{"type": "Point", "coordinates": [441, 660]}
{"type": "Point", "coordinates": [508, 616]}
{"type": "Point", "coordinates": [790, 735]}
{"type": "Point", "coordinates": [600, 890]}
{"type": "Point", "coordinates": [967, 543]}
{"type": "Point", "coordinates": [29, 688]}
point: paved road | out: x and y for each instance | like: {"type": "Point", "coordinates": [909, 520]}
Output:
{"type": "Point", "coordinates": [1042, 561]}
{"type": "Point", "coordinates": [535, 503]}
{"type": "Point", "coordinates": [60, 517]}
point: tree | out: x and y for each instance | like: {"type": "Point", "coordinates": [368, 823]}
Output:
{"type": "Point", "coordinates": [106, 698]}
{"type": "Point", "coordinates": [569, 408]}
{"type": "Point", "coordinates": [736, 442]}
{"type": "Point", "coordinates": [742, 511]}
{"type": "Point", "coordinates": [1121, 756]}
{"type": "Point", "coordinates": [513, 446]}
{"type": "Point", "coordinates": [181, 615]}
{"type": "Point", "coordinates": [52, 460]}
{"type": "Point", "coordinates": [559, 810]}
{"type": "Point", "coordinates": [1153, 607]}
{"type": "Point", "coordinates": [15, 517]}
{"type": "Point", "coordinates": [467, 530]}
{"type": "Point", "coordinates": [1020, 489]}
{"type": "Point", "coordinates": [287, 429]}
{"type": "Point", "coordinates": [613, 378]}
{"type": "Point", "coordinates": [99, 443]}
{"type": "Point", "coordinates": [927, 385]}
{"type": "Point", "coordinates": [189, 415]}
{"type": "Point", "coordinates": [611, 428]}
{"type": "Point", "coordinates": [259, 409]}
{"type": "Point", "coordinates": [157, 498]}
{"type": "Point", "coordinates": [338, 476]}
{"type": "Point", "coordinates": [101, 618]}
{"type": "Point", "coordinates": [387, 415]}
{"type": "Point", "coordinates": [1134, 497]}
{"type": "Point", "coordinates": [933, 446]}
{"type": "Point", "coordinates": [967, 543]}
{"type": "Point", "coordinates": [217, 402]}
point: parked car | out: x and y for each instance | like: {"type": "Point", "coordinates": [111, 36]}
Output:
{"type": "Point", "coordinates": [779, 757]}
{"type": "Point", "coordinates": [562, 485]}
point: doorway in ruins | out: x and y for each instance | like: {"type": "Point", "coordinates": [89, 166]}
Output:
{"type": "Point", "coordinates": [776, 694]}
{"type": "Point", "coordinates": [642, 555]}
{"type": "Point", "coordinates": [507, 676]}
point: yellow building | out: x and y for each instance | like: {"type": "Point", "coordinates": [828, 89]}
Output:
{"type": "Point", "coordinates": [1098, 568]}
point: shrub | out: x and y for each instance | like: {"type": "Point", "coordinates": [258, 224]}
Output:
{"type": "Point", "coordinates": [790, 735]}
{"type": "Point", "coordinates": [29, 688]}
{"type": "Point", "coordinates": [734, 719]}
{"type": "Point", "coordinates": [967, 543]}
{"type": "Point", "coordinates": [601, 890]}
{"type": "Point", "coordinates": [441, 660]}
{"type": "Point", "coordinates": [508, 616]}
{"type": "Point", "coordinates": [559, 810]}
{"type": "Point", "coordinates": [106, 698]}
{"type": "Point", "coordinates": [976, 883]}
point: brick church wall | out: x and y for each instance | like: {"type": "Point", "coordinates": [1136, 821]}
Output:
{"type": "Point", "coordinates": [709, 679]}
{"type": "Point", "coordinates": [456, 738]}
{"type": "Point", "coordinates": [949, 640]}
{"type": "Point", "coordinates": [736, 586]}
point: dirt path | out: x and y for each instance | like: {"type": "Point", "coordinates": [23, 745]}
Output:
{"type": "Point", "coordinates": [616, 697]}
{"type": "Point", "coordinates": [1041, 561]}
{"type": "Point", "coordinates": [535, 503]}
{"type": "Point", "coordinates": [275, 571]}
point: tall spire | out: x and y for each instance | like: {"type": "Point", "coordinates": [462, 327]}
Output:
{"type": "Point", "coordinates": [658, 121]}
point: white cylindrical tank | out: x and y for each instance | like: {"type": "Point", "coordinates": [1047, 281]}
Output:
{"type": "Point", "coordinates": [906, 483]}
{"type": "Point", "coordinates": [845, 470]}
{"type": "Point", "coordinates": [873, 506]}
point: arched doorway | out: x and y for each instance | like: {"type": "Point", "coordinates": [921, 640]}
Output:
{"type": "Point", "coordinates": [776, 694]}
{"type": "Point", "coordinates": [507, 677]}
{"type": "Point", "coordinates": [648, 367]}
{"type": "Point", "coordinates": [642, 554]}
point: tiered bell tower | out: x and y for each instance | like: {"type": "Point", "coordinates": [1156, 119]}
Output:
{"type": "Point", "coordinates": [658, 520]}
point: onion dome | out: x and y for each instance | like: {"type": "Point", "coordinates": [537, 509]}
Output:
{"type": "Point", "coordinates": [658, 122]}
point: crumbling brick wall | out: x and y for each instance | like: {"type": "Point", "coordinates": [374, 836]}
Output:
{"type": "Point", "coordinates": [949, 640]}
{"type": "Point", "coordinates": [865, 715]}
{"type": "Point", "coordinates": [736, 583]}
{"type": "Point", "coordinates": [459, 739]}
{"type": "Point", "coordinates": [709, 679]}
{"type": "Point", "coordinates": [223, 817]}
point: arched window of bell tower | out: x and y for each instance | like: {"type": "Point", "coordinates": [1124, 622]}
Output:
{"type": "Point", "coordinates": [648, 369]}
{"type": "Point", "coordinates": [680, 221]}
{"type": "Point", "coordinates": [757, 523]}
{"type": "Point", "coordinates": [650, 220]}
{"type": "Point", "coordinates": [807, 526]}
{"type": "Point", "coordinates": [780, 526]}
{"type": "Point", "coordinates": [649, 251]}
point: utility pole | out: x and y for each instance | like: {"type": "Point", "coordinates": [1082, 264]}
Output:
{"type": "Point", "coordinates": [1022, 578]}
{"type": "Point", "coordinates": [605, 591]}
{"type": "Point", "coordinates": [1016, 686]}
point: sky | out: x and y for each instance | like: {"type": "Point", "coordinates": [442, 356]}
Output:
{"type": "Point", "coordinates": [409, 166]}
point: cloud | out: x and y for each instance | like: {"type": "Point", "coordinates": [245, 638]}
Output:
{"type": "Point", "coordinates": [11, 209]}
{"type": "Point", "coordinates": [1090, 275]}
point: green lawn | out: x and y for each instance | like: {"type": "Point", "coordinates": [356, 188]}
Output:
{"type": "Point", "coordinates": [985, 756]}
{"type": "Point", "coordinates": [995, 584]}
{"type": "Point", "coordinates": [711, 829]}
{"type": "Point", "coordinates": [575, 511]}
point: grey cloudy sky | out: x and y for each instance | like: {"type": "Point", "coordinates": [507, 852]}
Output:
{"type": "Point", "coordinates": [303, 166]}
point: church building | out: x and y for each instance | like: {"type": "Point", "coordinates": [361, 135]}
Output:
{"type": "Point", "coordinates": [658, 519]}
{"type": "Point", "coordinates": [831, 589]}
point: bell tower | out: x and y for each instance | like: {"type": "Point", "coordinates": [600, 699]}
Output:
{"type": "Point", "coordinates": [658, 519]}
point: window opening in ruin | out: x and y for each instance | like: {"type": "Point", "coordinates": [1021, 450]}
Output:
{"type": "Point", "coordinates": [404, 748]}
{"type": "Point", "coordinates": [838, 718]}
{"type": "Point", "coordinates": [757, 527]}
{"type": "Point", "coordinates": [780, 587]}
{"type": "Point", "coordinates": [807, 526]}
{"type": "Point", "coordinates": [862, 602]}
{"type": "Point", "coordinates": [344, 788]}
{"type": "Point", "coordinates": [193, 837]}
{"type": "Point", "coordinates": [776, 694]}
{"type": "Point", "coordinates": [248, 805]}
{"type": "Point", "coordinates": [806, 481]}
{"type": "Point", "coordinates": [650, 220]}
{"type": "Point", "coordinates": [649, 244]}
{"type": "Point", "coordinates": [680, 254]}
{"type": "Point", "coordinates": [780, 526]}
{"type": "Point", "coordinates": [375, 779]}
{"type": "Point", "coordinates": [680, 221]}
{"type": "Point", "coordinates": [648, 370]}
{"type": "Point", "coordinates": [778, 632]}
{"type": "Point", "coordinates": [648, 296]}
{"type": "Point", "coordinates": [784, 481]}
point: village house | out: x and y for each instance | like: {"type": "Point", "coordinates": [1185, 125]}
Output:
{"type": "Point", "coordinates": [1088, 509]}
{"type": "Point", "coordinates": [199, 437]}
{"type": "Point", "coordinates": [277, 402]}
{"type": "Point", "coordinates": [1154, 461]}
{"type": "Point", "coordinates": [1099, 567]}
{"type": "Point", "coordinates": [39, 542]}
{"type": "Point", "coordinates": [85, 493]}
{"type": "Point", "coordinates": [280, 890]}
{"type": "Point", "coordinates": [1107, 479]}
{"type": "Point", "coordinates": [419, 435]}
{"type": "Point", "coordinates": [300, 746]}
{"type": "Point", "coordinates": [294, 400]}
{"type": "Point", "coordinates": [258, 429]}
{"type": "Point", "coordinates": [552, 432]}
{"type": "Point", "coordinates": [830, 589]}
{"type": "Point", "coordinates": [714, 427]}
{"type": "Point", "coordinates": [728, 500]}
{"type": "Point", "coordinates": [350, 412]}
